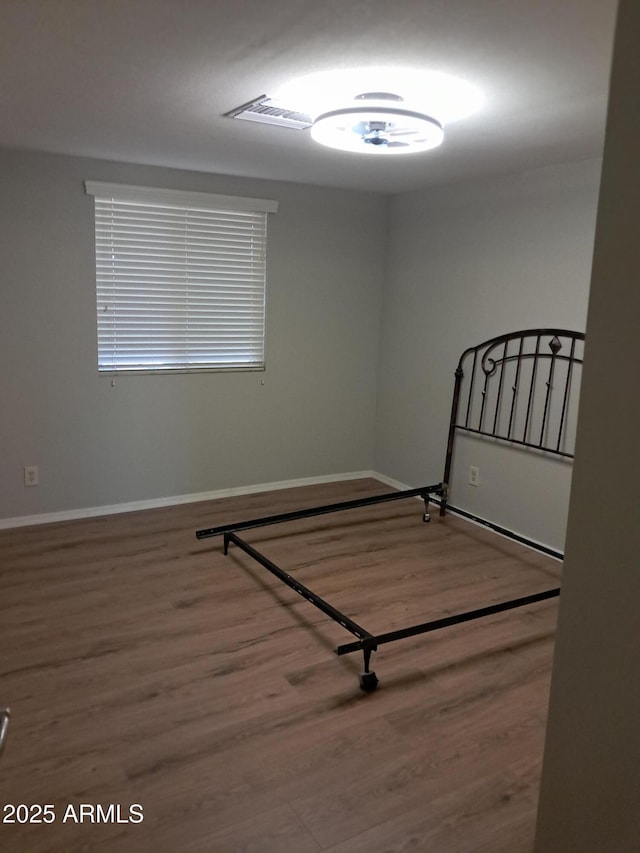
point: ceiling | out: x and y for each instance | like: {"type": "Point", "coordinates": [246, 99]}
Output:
{"type": "Point", "coordinates": [149, 81]}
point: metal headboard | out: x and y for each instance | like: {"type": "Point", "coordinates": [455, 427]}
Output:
{"type": "Point", "coordinates": [521, 388]}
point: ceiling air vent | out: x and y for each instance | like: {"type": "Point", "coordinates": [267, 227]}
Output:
{"type": "Point", "coordinates": [266, 110]}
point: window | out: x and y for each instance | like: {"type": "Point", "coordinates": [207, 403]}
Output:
{"type": "Point", "coordinates": [180, 279]}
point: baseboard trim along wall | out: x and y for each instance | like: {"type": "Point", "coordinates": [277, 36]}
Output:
{"type": "Point", "coordinates": [135, 506]}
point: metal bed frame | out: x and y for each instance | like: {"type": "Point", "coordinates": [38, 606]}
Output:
{"type": "Point", "coordinates": [505, 390]}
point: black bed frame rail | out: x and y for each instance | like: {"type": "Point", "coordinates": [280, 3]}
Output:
{"type": "Point", "coordinates": [422, 492]}
{"type": "Point", "coordinates": [448, 621]}
{"type": "Point", "coordinates": [367, 642]}
{"type": "Point", "coordinates": [490, 365]}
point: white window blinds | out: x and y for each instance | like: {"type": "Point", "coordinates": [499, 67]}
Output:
{"type": "Point", "coordinates": [180, 279]}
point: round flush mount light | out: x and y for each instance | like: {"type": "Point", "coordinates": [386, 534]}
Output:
{"type": "Point", "coordinates": [377, 123]}
{"type": "Point", "coordinates": [382, 110]}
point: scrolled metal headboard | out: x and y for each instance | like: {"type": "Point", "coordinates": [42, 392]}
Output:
{"type": "Point", "coordinates": [521, 388]}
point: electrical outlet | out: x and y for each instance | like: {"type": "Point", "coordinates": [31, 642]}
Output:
{"type": "Point", "coordinates": [31, 475]}
{"type": "Point", "coordinates": [474, 475]}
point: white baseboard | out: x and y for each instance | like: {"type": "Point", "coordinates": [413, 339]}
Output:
{"type": "Point", "coordinates": [389, 481]}
{"type": "Point", "coordinates": [135, 506]}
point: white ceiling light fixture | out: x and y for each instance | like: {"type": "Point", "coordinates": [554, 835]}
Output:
{"type": "Point", "coordinates": [377, 123]}
{"type": "Point", "coordinates": [382, 111]}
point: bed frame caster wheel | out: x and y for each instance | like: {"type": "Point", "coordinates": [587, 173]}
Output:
{"type": "Point", "coordinates": [426, 517]}
{"type": "Point", "coordinates": [368, 681]}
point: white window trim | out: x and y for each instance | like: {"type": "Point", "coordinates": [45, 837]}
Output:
{"type": "Point", "coordinates": [178, 198]}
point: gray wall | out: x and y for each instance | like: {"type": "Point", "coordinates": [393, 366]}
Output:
{"type": "Point", "coordinates": [366, 296]}
{"type": "Point", "coordinates": [590, 794]}
{"type": "Point", "coordinates": [464, 264]}
{"type": "Point", "coordinates": [151, 437]}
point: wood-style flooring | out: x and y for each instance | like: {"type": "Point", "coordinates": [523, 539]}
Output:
{"type": "Point", "coordinates": [144, 667]}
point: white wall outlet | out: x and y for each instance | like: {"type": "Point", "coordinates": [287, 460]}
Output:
{"type": "Point", "coordinates": [31, 475]}
{"type": "Point", "coordinates": [474, 475]}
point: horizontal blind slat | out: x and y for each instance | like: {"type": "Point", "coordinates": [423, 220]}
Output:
{"type": "Point", "coordinates": [178, 287]}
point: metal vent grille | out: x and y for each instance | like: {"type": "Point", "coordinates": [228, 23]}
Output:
{"type": "Point", "coordinates": [266, 110]}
